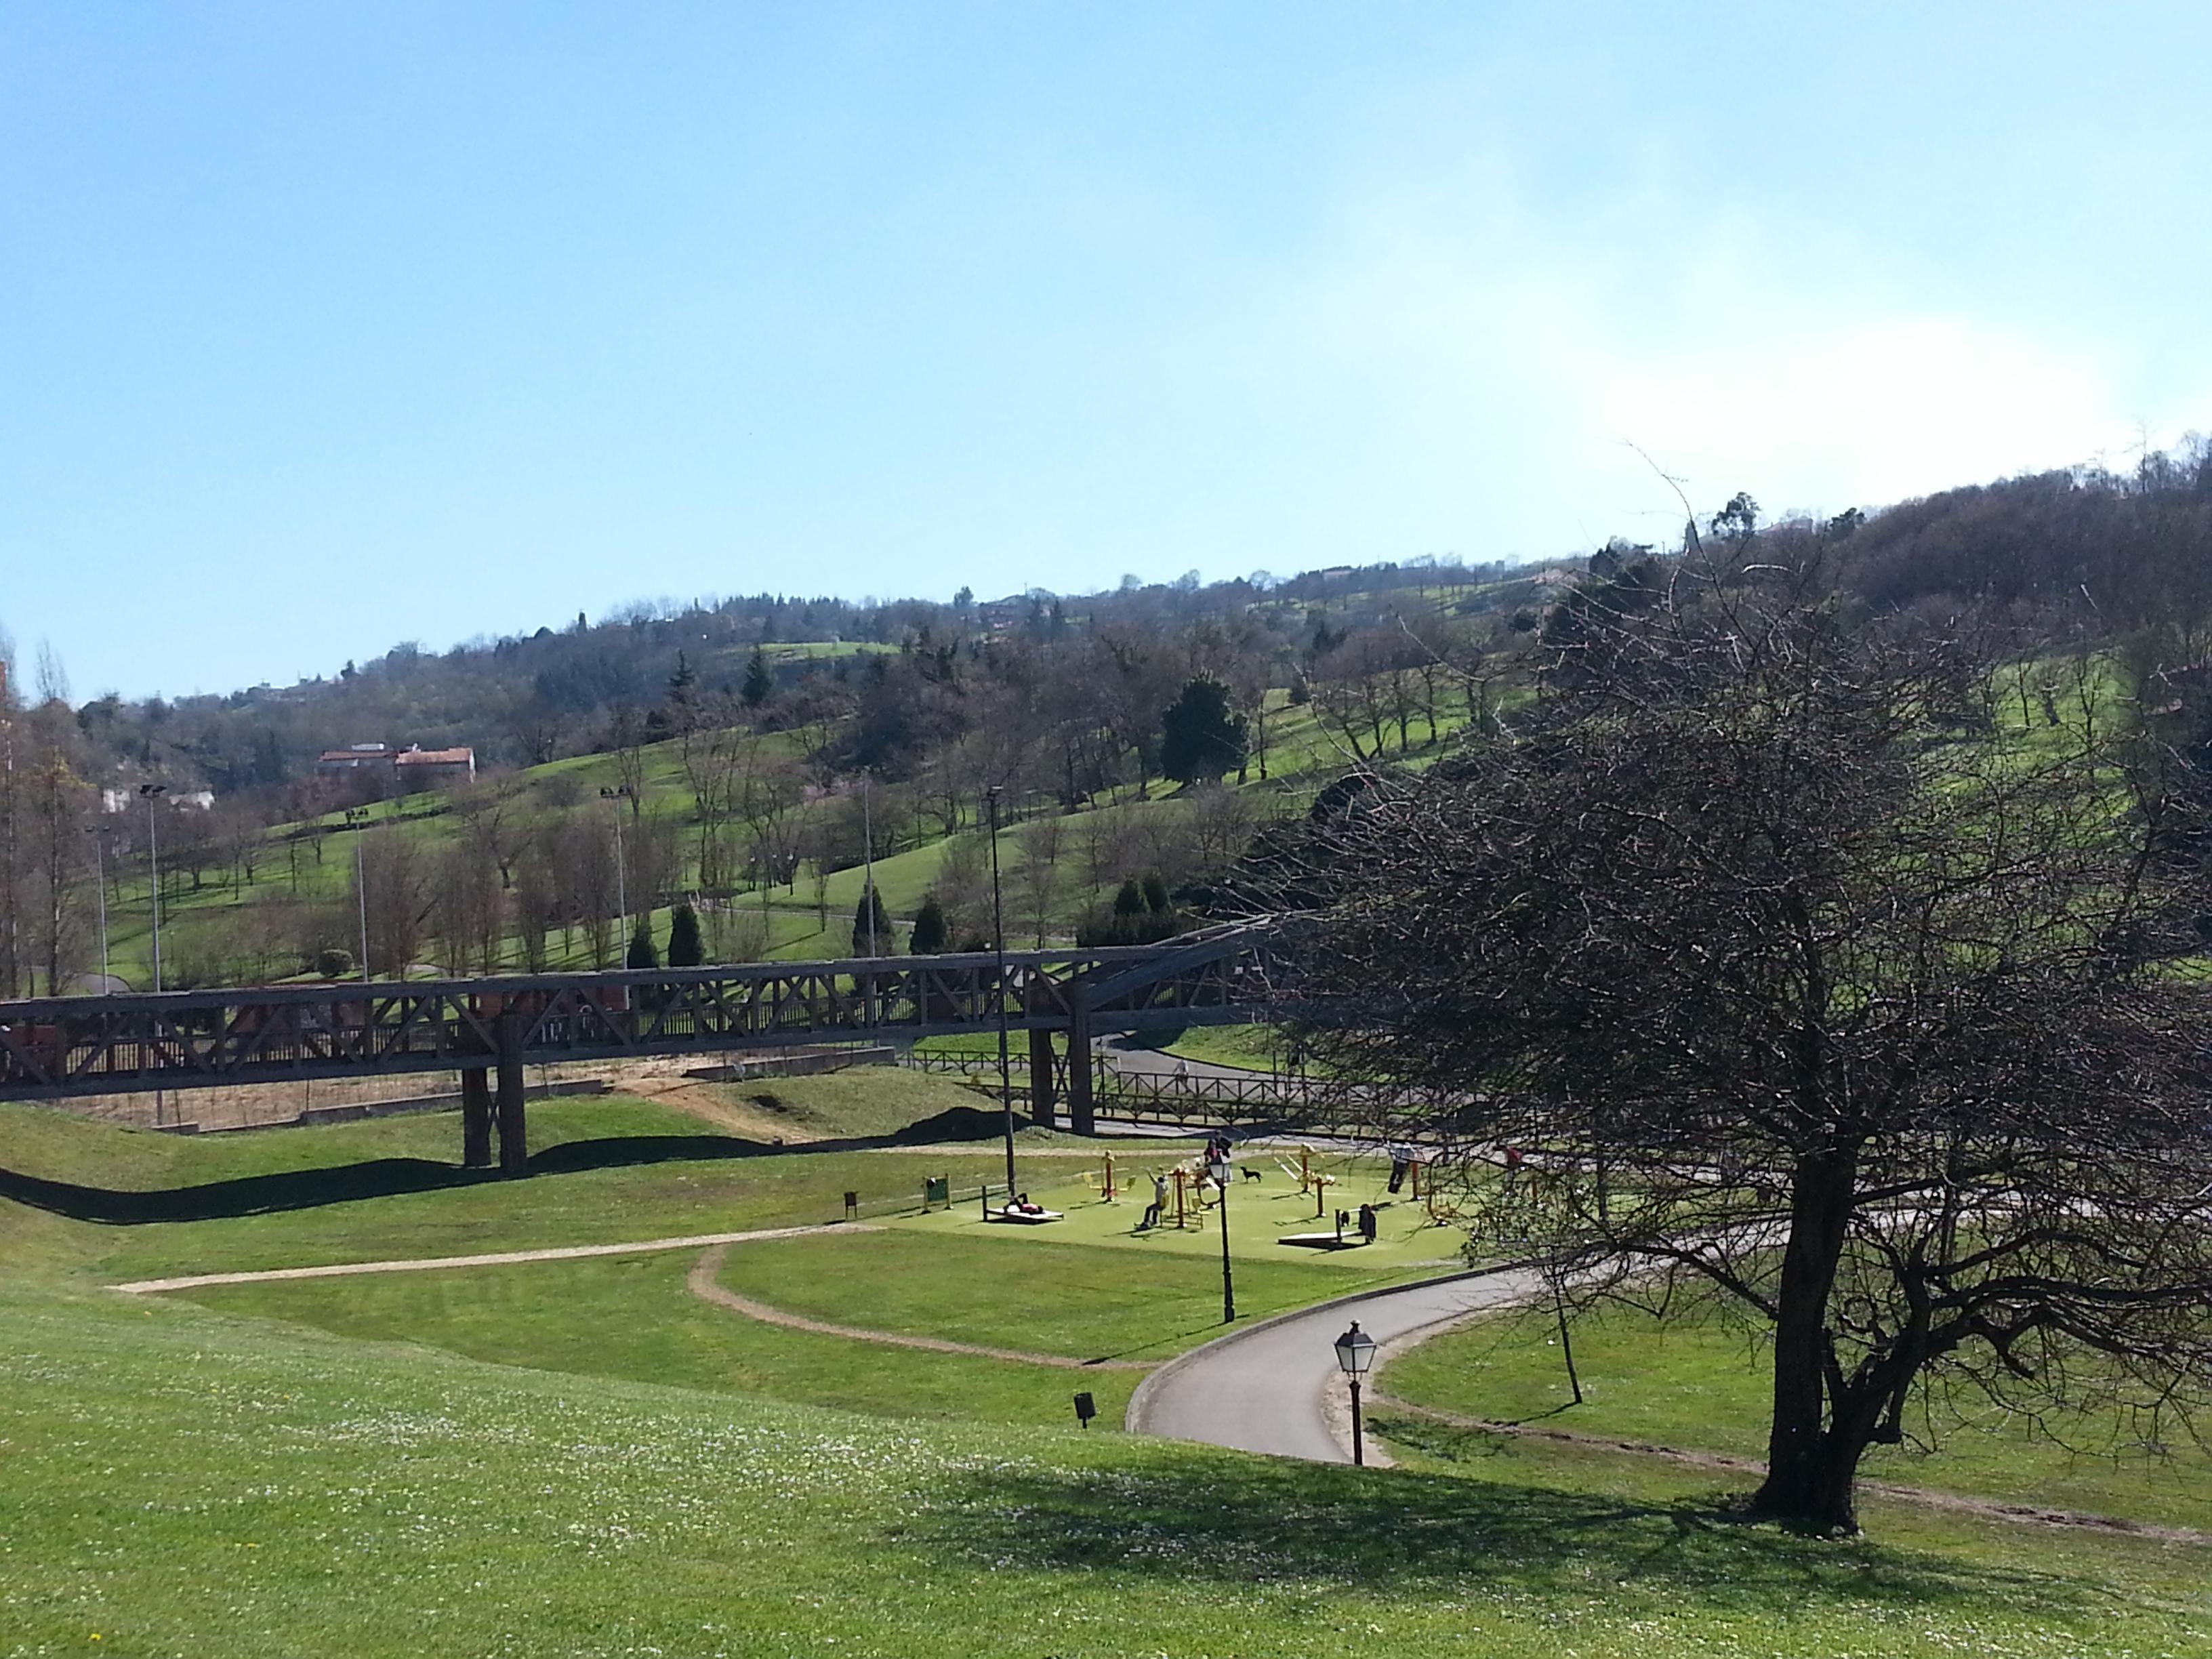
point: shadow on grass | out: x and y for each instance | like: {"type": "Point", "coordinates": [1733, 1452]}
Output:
{"type": "Point", "coordinates": [346, 1183]}
{"type": "Point", "coordinates": [1278, 1521]}
{"type": "Point", "coordinates": [385, 1177]}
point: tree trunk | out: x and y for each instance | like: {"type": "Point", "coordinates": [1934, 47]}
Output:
{"type": "Point", "coordinates": [1810, 1467]}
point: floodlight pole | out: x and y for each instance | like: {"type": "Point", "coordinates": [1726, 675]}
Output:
{"type": "Point", "coordinates": [99, 886]}
{"type": "Point", "coordinates": [150, 792]}
{"type": "Point", "coordinates": [998, 946]}
{"type": "Point", "coordinates": [621, 881]}
{"type": "Point", "coordinates": [358, 818]}
{"type": "Point", "coordinates": [868, 865]}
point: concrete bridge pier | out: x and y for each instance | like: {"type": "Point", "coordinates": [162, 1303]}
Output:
{"type": "Point", "coordinates": [1082, 1117]}
{"type": "Point", "coordinates": [1043, 1096]}
{"type": "Point", "coordinates": [476, 1117]}
{"type": "Point", "coordinates": [513, 1143]}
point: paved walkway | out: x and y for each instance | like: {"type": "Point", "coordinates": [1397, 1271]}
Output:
{"type": "Point", "coordinates": [1153, 1062]}
{"type": "Point", "coordinates": [504, 1258]}
{"type": "Point", "coordinates": [1275, 1386]}
{"type": "Point", "coordinates": [705, 1285]}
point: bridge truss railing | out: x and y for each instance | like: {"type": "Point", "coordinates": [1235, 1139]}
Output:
{"type": "Point", "coordinates": [114, 1044]}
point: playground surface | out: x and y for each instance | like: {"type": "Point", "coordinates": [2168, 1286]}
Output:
{"type": "Point", "coordinates": [1261, 1214]}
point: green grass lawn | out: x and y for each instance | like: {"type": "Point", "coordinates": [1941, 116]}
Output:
{"type": "Point", "coordinates": [606, 1170]}
{"type": "Point", "coordinates": [1251, 1048]}
{"type": "Point", "coordinates": [582, 1457]}
{"type": "Point", "coordinates": [1035, 1294]}
{"type": "Point", "coordinates": [1690, 1384]}
{"type": "Point", "coordinates": [558, 1316]}
{"type": "Point", "coordinates": [180, 1481]}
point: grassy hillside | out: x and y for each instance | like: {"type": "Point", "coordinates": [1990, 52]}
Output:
{"type": "Point", "coordinates": [581, 1456]}
{"type": "Point", "coordinates": [310, 866]}
{"type": "Point", "coordinates": [182, 1481]}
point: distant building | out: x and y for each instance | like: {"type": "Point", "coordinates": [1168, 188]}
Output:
{"type": "Point", "coordinates": [376, 769]}
{"type": "Point", "coordinates": [354, 759]}
{"type": "Point", "coordinates": [417, 767]}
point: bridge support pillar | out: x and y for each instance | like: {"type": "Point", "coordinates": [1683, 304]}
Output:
{"type": "Point", "coordinates": [1042, 1095]}
{"type": "Point", "coordinates": [1081, 1115]}
{"type": "Point", "coordinates": [513, 1142]}
{"type": "Point", "coordinates": [476, 1117]}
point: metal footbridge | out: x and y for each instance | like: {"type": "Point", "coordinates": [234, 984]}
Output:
{"type": "Point", "coordinates": [488, 1030]}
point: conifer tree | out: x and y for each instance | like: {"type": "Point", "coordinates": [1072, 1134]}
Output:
{"type": "Point", "coordinates": [760, 680]}
{"type": "Point", "coordinates": [685, 949]}
{"type": "Point", "coordinates": [868, 942]}
{"type": "Point", "coordinates": [928, 937]}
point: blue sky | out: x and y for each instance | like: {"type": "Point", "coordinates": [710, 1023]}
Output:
{"type": "Point", "coordinates": [323, 327]}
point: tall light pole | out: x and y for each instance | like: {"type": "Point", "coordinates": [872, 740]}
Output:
{"type": "Point", "coordinates": [868, 865]}
{"type": "Point", "coordinates": [150, 792]}
{"type": "Point", "coordinates": [100, 887]}
{"type": "Point", "coordinates": [357, 817]}
{"type": "Point", "coordinates": [615, 798]}
{"type": "Point", "coordinates": [998, 946]}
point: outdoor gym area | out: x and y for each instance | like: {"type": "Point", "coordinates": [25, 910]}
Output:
{"type": "Point", "coordinates": [1284, 1198]}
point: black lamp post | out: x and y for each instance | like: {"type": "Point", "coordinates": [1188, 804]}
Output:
{"type": "Point", "coordinates": [1216, 1165]}
{"type": "Point", "coordinates": [1355, 1352]}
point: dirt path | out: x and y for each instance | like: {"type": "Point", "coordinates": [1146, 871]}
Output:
{"type": "Point", "coordinates": [705, 1285]}
{"type": "Point", "coordinates": [499, 1258]}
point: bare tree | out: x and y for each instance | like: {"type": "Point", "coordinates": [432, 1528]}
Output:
{"type": "Point", "coordinates": [963, 887]}
{"type": "Point", "coordinates": [1804, 995]}
{"type": "Point", "coordinates": [537, 896]}
{"type": "Point", "coordinates": [468, 909]}
{"type": "Point", "coordinates": [1036, 879]}
{"type": "Point", "coordinates": [392, 891]}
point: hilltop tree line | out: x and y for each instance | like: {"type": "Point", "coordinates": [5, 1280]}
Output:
{"type": "Point", "coordinates": [923, 708]}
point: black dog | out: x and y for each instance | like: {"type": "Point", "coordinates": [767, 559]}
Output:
{"type": "Point", "coordinates": [1250, 1173]}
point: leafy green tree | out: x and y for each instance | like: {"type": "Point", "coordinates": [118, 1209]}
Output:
{"type": "Point", "coordinates": [1201, 735]}
{"type": "Point", "coordinates": [642, 951]}
{"type": "Point", "coordinates": [1156, 896]}
{"type": "Point", "coordinates": [928, 937]}
{"type": "Point", "coordinates": [685, 949]}
{"type": "Point", "coordinates": [1130, 900]}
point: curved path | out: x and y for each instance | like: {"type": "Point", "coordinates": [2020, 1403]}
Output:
{"type": "Point", "coordinates": [1273, 1386]}
{"type": "Point", "coordinates": [498, 1259]}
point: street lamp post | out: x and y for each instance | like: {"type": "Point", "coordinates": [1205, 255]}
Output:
{"type": "Point", "coordinates": [998, 946]}
{"type": "Point", "coordinates": [1217, 1164]}
{"type": "Point", "coordinates": [1355, 1353]}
